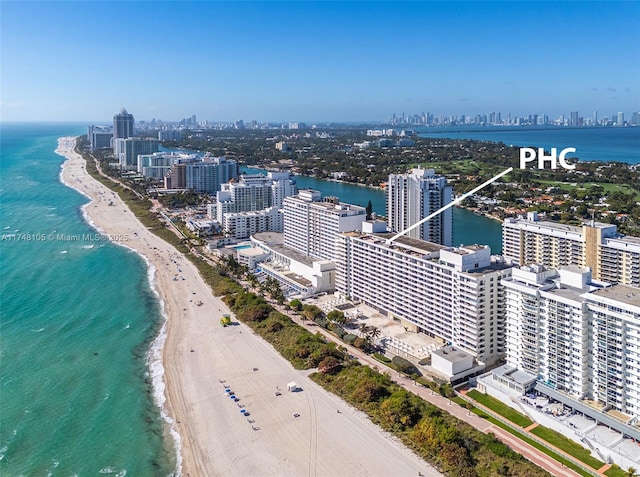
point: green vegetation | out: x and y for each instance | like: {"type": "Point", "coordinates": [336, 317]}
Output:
{"type": "Point", "coordinates": [548, 435]}
{"type": "Point", "coordinates": [567, 445]}
{"type": "Point", "coordinates": [382, 358]}
{"type": "Point", "coordinates": [453, 446]}
{"type": "Point", "coordinates": [520, 435]}
{"type": "Point", "coordinates": [615, 471]}
{"type": "Point", "coordinates": [404, 366]}
{"type": "Point", "coordinates": [500, 408]}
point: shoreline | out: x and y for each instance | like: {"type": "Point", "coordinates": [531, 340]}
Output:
{"type": "Point", "coordinates": [198, 356]}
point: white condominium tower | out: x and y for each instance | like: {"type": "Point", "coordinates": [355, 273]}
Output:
{"type": "Point", "coordinates": [127, 151]}
{"type": "Point", "coordinates": [311, 224]}
{"type": "Point", "coordinates": [450, 293]}
{"type": "Point", "coordinates": [254, 203]}
{"type": "Point", "coordinates": [612, 257]}
{"type": "Point", "coordinates": [575, 335]}
{"type": "Point", "coordinates": [413, 196]}
{"type": "Point", "coordinates": [155, 166]}
{"type": "Point", "coordinates": [203, 175]}
{"type": "Point", "coordinates": [615, 333]}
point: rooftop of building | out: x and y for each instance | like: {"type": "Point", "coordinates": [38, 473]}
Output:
{"type": "Point", "coordinates": [275, 241]}
{"type": "Point", "coordinates": [625, 239]}
{"type": "Point", "coordinates": [451, 354]}
{"type": "Point", "coordinates": [466, 249]}
{"type": "Point", "coordinates": [621, 293]}
{"type": "Point", "coordinates": [406, 243]}
{"type": "Point", "coordinates": [568, 292]}
{"type": "Point", "coordinates": [556, 225]}
{"type": "Point", "coordinates": [516, 375]}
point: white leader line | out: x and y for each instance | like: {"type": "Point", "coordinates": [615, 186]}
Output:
{"type": "Point", "coordinates": [450, 204]}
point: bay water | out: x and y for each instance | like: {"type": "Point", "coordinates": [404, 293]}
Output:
{"type": "Point", "coordinates": [77, 320]}
{"type": "Point", "coordinates": [607, 144]}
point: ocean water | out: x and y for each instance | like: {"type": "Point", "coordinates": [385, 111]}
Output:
{"type": "Point", "coordinates": [77, 320]}
{"type": "Point", "coordinates": [610, 144]}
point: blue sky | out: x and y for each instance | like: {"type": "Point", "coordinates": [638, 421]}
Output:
{"type": "Point", "coordinates": [316, 61]}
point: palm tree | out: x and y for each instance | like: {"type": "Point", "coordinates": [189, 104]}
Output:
{"type": "Point", "coordinates": [363, 328]}
{"type": "Point", "coordinates": [631, 472]}
{"type": "Point", "coordinates": [374, 332]}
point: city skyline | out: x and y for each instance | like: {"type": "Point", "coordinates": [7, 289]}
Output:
{"type": "Point", "coordinates": [317, 61]}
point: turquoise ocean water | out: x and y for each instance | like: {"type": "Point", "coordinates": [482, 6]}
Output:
{"type": "Point", "coordinates": [77, 320]}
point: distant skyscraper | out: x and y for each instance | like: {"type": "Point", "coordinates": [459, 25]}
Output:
{"type": "Point", "coordinates": [123, 126]}
{"type": "Point", "coordinates": [595, 118]}
{"type": "Point", "coordinates": [574, 118]}
{"type": "Point", "coordinates": [413, 196]}
{"type": "Point", "coordinates": [620, 120]}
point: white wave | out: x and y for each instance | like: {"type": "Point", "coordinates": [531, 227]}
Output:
{"type": "Point", "coordinates": [7, 227]}
{"type": "Point", "coordinates": [88, 246]}
{"type": "Point", "coordinates": [64, 251]}
{"type": "Point", "coordinates": [154, 355]}
{"type": "Point", "coordinates": [38, 330]}
{"type": "Point", "coordinates": [156, 369]}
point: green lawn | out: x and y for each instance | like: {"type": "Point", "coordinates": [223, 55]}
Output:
{"type": "Point", "coordinates": [567, 445]}
{"type": "Point", "coordinates": [528, 440]}
{"type": "Point", "coordinates": [616, 471]}
{"type": "Point", "coordinates": [552, 437]}
{"type": "Point", "coordinates": [501, 408]}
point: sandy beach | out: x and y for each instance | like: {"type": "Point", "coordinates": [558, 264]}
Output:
{"type": "Point", "coordinates": [204, 362]}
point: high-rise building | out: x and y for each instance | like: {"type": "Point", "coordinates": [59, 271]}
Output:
{"type": "Point", "coordinates": [254, 203]}
{"type": "Point", "coordinates": [574, 118]}
{"type": "Point", "coordinates": [100, 137]}
{"type": "Point", "coordinates": [575, 335]}
{"type": "Point", "coordinates": [208, 175]}
{"type": "Point", "coordinates": [170, 135]}
{"type": "Point", "coordinates": [610, 256]}
{"type": "Point", "coordinates": [311, 224]}
{"type": "Point", "coordinates": [123, 126]}
{"type": "Point", "coordinates": [412, 197]}
{"type": "Point", "coordinates": [620, 119]}
{"type": "Point", "coordinates": [204, 175]}
{"type": "Point", "coordinates": [127, 151]}
{"type": "Point", "coordinates": [155, 166]}
{"type": "Point", "coordinates": [449, 293]}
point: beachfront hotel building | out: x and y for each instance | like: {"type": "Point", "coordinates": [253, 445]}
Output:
{"type": "Point", "coordinates": [100, 137]}
{"type": "Point", "coordinates": [155, 166]}
{"type": "Point", "coordinates": [453, 294]}
{"type": "Point", "coordinates": [311, 223]}
{"type": "Point", "coordinates": [415, 195]}
{"type": "Point", "coordinates": [254, 204]}
{"type": "Point", "coordinates": [202, 175]}
{"type": "Point", "coordinates": [575, 335]}
{"type": "Point", "coordinates": [123, 126]}
{"type": "Point", "coordinates": [610, 256]}
{"type": "Point", "coordinates": [127, 151]}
